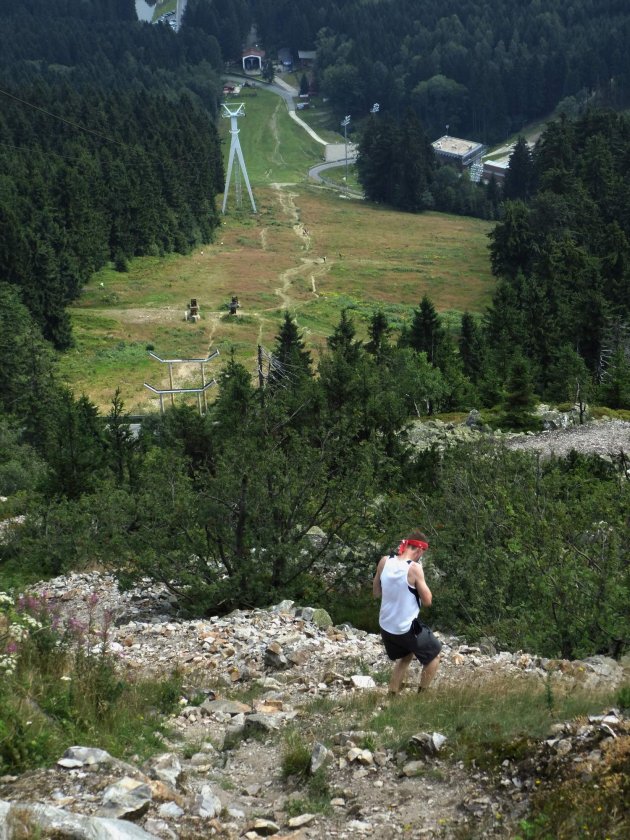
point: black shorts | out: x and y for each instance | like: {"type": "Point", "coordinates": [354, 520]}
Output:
{"type": "Point", "coordinates": [424, 645]}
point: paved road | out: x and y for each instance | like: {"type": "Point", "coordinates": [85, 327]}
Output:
{"type": "Point", "coordinates": [289, 94]}
{"type": "Point", "coordinates": [315, 172]}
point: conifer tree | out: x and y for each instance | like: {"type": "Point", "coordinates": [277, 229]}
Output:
{"type": "Point", "coordinates": [519, 177]}
{"type": "Point", "coordinates": [291, 360]}
{"type": "Point", "coordinates": [504, 326]}
{"type": "Point", "coordinates": [570, 379]}
{"type": "Point", "coordinates": [614, 390]}
{"type": "Point", "coordinates": [26, 373]}
{"type": "Point", "coordinates": [379, 331]}
{"type": "Point", "coordinates": [340, 368]}
{"type": "Point", "coordinates": [376, 162]}
{"type": "Point", "coordinates": [512, 242]}
{"type": "Point", "coordinates": [120, 441]}
{"type": "Point", "coordinates": [415, 163]}
{"type": "Point", "coordinates": [236, 395]}
{"type": "Point", "coordinates": [426, 333]}
{"type": "Point", "coordinates": [342, 341]}
{"type": "Point", "coordinates": [519, 398]}
{"type": "Point", "coordinates": [471, 348]}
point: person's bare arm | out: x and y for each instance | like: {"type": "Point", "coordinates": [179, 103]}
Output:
{"type": "Point", "coordinates": [417, 576]}
{"type": "Point", "coordinates": [377, 589]}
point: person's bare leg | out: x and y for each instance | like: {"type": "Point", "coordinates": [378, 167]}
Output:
{"type": "Point", "coordinates": [428, 672]}
{"type": "Point", "coordinates": [399, 672]}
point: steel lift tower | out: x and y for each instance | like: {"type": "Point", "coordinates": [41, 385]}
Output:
{"type": "Point", "coordinates": [234, 112]}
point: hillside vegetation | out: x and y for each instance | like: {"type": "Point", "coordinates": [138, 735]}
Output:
{"type": "Point", "coordinates": [483, 69]}
{"type": "Point", "coordinates": [308, 252]}
{"type": "Point", "coordinates": [304, 467]}
{"type": "Point", "coordinates": [108, 149]}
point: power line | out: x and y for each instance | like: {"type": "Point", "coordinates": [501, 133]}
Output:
{"type": "Point", "coordinates": [45, 151]}
{"type": "Point", "coordinates": [273, 359]}
{"type": "Point", "coordinates": [62, 119]}
{"type": "Point", "coordinates": [42, 151]}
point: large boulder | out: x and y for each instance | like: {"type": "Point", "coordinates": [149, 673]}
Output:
{"type": "Point", "coordinates": [46, 821]}
{"type": "Point", "coordinates": [321, 619]}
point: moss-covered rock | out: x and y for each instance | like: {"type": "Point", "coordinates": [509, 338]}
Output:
{"type": "Point", "coordinates": [321, 619]}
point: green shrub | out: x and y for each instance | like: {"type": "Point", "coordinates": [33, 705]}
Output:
{"type": "Point", "coordinates": [318, 790]}
{"type": "Point", "coordinates": [61, 686]}
{"type": "Point", "coordinates": [623, 698]}
{"type": "Point", "coordinates": [613, 413]}
{"type": "Point", "coordinates": [296, 757]}
{"type": "Point", "coordinates": [583, 806]}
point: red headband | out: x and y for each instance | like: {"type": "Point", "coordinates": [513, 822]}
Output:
{"type": "Point", "coordinates": [414, 543]}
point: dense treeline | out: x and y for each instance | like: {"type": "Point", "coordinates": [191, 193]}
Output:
{"type": "Point", "coordinates": [71, 199]}
{"type": "Point", "coordinates": [484, 68]}
{"type": "Point", "coordinates": [89, 45]}
{"type": "Point", "coordinates": [108, 147]}
{"type": "Point", "coordinates": [561, 252]}
{"type": "Point", "coordinates": [296, 488]}
{"type": "Point", "coordinates": [562, 256]}
{"type": "Point", "coordinates": [396, 165]}
{"type": "Point", "coordinates": [229, 21]}
{"type": "Point", "coordinates": [80, 9]}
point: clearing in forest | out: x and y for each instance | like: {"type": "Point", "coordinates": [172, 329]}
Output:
{"type": "Point", "coordinates": [309, 250]}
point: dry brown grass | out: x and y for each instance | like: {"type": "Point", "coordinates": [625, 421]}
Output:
{"type": "Point", "coordinates": [307, 250]}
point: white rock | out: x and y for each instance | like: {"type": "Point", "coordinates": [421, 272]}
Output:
{"type": "Point", "coordinates": [170, 810]}
{"type": "Point", "coordinates": [207, 804]}
{"type": "Point", "coordinates": [360, 826]}
{"type": "Point", "coordinates": [87, 755]}
{"type": "Point", "coordinates": [362, 681]}
{"type": "Point", "coordinates": [319, 755]}
{"type": "Point", "coordinates": [159, 828]}
{"type": "Point", "coordinates": [303, 819]}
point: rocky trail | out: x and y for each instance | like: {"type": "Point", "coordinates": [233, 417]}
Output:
{"type": "Point", "coordinates": [608, 439]}
{"type": "Point", "coordinates": [310, 267]}
{"type": "Point", "coordinates": [249, 679]}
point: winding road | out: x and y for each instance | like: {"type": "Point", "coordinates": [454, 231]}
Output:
{"type": "Point", "coordinates": [310, 267]}
{"type": "Point", "coordinates": [289, 94]}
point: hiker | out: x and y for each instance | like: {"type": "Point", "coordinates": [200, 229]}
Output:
{"type": "Point", "coordinates": [399, 583]}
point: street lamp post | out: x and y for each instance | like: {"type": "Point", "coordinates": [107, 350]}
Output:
{"type": "Point", "coordinates": [345, 123]}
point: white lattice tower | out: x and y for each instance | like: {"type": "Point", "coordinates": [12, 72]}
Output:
{"type": "Point", "coordinates": [238, 184]}
{"type": "Point", "coordinates": [233, 113]}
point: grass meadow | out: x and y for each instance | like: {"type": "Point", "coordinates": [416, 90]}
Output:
{"type": "Point", "coordinates": [309, 250]}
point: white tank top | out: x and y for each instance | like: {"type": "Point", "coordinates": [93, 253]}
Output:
{"type": "Point", "coordinates": [400, 603]}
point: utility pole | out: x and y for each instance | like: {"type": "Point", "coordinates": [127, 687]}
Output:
{"type": "Point", "coordinates": [235, 149]}
{"type": "Point", "coordinates": [345, 123]}
{"type": "Point", "coordinates": [261, 376]}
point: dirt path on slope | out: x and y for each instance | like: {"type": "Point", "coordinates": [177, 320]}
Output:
{"type": "Point", "coordinates": [276, 156]}
{"type": "Point", "coordinates": [308, 267]}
